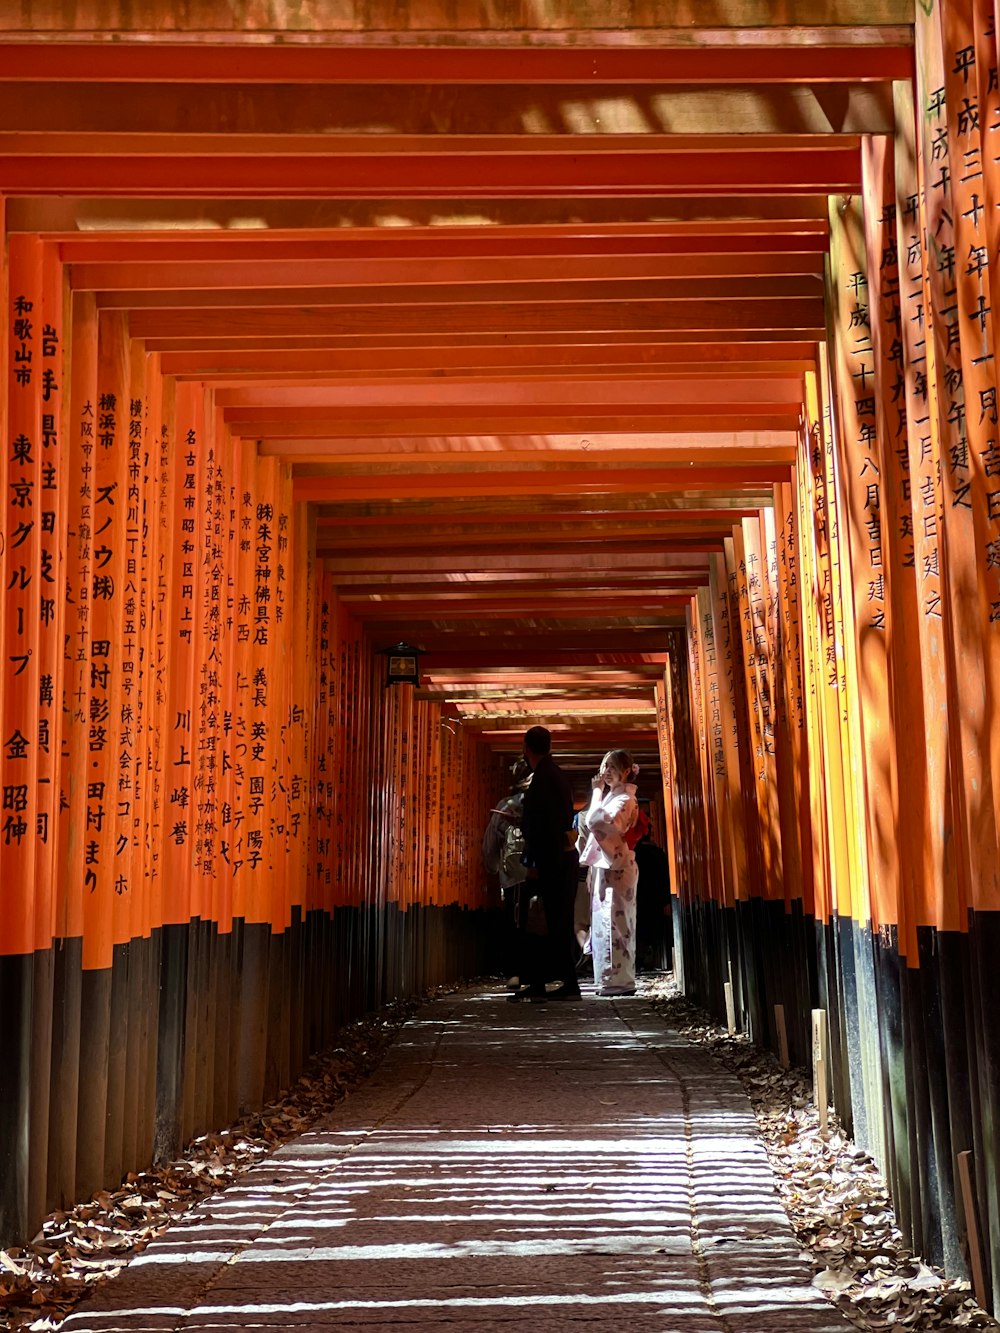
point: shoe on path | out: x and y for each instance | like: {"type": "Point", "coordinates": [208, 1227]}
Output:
{"type": "Point", "coordinates": [566, 993]}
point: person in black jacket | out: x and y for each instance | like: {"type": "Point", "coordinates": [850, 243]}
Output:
{"type": "Point", "coordinates": [655, 940]}
{"type": "Point", "coordinates": [551, 861]}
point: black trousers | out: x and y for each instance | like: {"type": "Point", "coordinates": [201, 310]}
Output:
{"type": "Point", "coordinates": [552, 957]}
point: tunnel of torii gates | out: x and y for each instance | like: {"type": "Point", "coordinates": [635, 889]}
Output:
{"type": "Point", "coordinates": [634, 360]}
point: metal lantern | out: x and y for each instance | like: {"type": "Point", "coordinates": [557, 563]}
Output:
{"type": "Point", "coordinates": [401, 665]}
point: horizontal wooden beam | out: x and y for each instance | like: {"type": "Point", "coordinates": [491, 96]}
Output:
{"type": "Point", "coordinates": [730, 340]}
{"type": "Point", "coordinates": [833, 107]}
{"type": "Point", "coordinates": [794, 231]}
{"type": "Point", "coordinates": [514, 175]}
{"type": "Point", "coordinates": [647, 469]}
{"type": "Point", "coordinates": [622, 371]}
{"type": "Point", "coordinates": [523, 694]}
{"type": "Point", "coordinates": [539, 627]}
{"type": "Point", "coordinates": [267, 426]}
{"type": "Point", "coordinates": [754, 287]}
{"type": "Point", "coordinates": [522, 418]}
{"type": "Point", "coordinates": [638, 702]}
{"type": "Point", "coordinates": [451, 584]}
{"type": "Point", "coordinates": [694, 536]}
{"type": "Point", "coordinates": [519, 608]}
{"type": "Point", "coordinates": [333, 145]}
{"type": "Point", "coordinates": [485, 271]}
{"type": "Point", "coordinates": [557, 560]}
{"type": "Point", "coordinates": [584, 728]}
{"type": "Point", "coordinates": [533, 512]}
{"type": "Point", "coordinates": [557, 583]}
{"type": "Point", "coordinates": [367, 64]}
{"type": "Point", "coordinates": [403, 578]}
{"type": "Point", "coordinates": [502, 697]}
{"type": "Point", "coordinates": [581, 704]}
{"type": "Point", "coordinates": [530, 646]}
{"type": "Point", "coordinates": [421, 23]}
{"type": "Point", "coordinates": [489, 597]}
{"type": "Point", "coordinates": [483, 659]}
{"type": "Point", "coordinates": [561, 512]}
{"type": "Point", "coordinates": [799, 319]}
{"type": "Point", "coordinates": [403, 219]}
{"type": "Point", "coordinates": [571, 391]}
{"type": "Point", "coordinates": [222, 365]}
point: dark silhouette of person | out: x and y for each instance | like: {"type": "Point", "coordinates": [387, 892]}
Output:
{"type": "Point", "coordinates": [655, 944]}
{"type": "Point", "coordinates": [502, 848]}
{"type": "Point", "coordinates": [552, 865]}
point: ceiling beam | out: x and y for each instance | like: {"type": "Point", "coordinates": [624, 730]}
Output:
{"type": "Point", "coordinates": [230, 273]}
{"type": "Point", "coordinates": [332, 110]}
{"type": "Point", "coordinates": [645, 357]}
{"type": "Point", "coordinates": [482, 659]}
{"type": "Point", "coordinates": [335, 145]}
{"type": "Point", "coordinates": [366, 64]}
{"type": "Point", "coordinates": [575, 537]}
{"type": "Point", "coordinates": [586, 516]}
{"type": "Point", "coordinates": [623, 602]}
{"type": "Point", "coordinates": [557, 559]}
{"type": "Point", "coordinates": [402, 219]}
{"type": "Point", "coordinates": [327, 431]}
{"type": "Point", "coordinates": [795, 229]}
{"type": "Point", "coordinates": [569, 391]}
{"type": "Point", "coordinates": [513, 650]}
{"type": "Point", "coordinates": [490, 593]}
{"type": "Point", "coordinates": [405, 175]}
{"type": "Point", "coordinates": [799, 319]}
{"type": "Point", "coordinates": [783, 287]}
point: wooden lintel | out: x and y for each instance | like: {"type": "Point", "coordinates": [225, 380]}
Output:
{"type": "Point", "coordinates": [368, 64]}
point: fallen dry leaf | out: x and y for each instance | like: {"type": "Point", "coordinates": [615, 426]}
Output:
{"type": "Point", "coordinates": [836, 1199]}
{"type": "Point", "coordinates": [78, 1248]}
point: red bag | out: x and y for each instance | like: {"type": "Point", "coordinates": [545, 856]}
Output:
{"type": "Point", "coordinates": [638, 830]}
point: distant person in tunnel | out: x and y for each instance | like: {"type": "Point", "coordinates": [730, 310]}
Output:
{"type": "Point", "coordinates": [654, 933]}
{"type": "Point", "coordinates": [603, 830]}
{"type": "Point", "coordinates": [503, 856]}
{"type": "Point", "coordinates": [551, 864]}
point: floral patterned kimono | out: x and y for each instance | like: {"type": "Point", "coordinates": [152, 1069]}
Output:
{"type": "Point", "coordinates": [613, 879]}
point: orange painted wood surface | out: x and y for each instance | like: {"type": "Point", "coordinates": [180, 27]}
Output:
{"type": "Point", "coordinates": [346, 431]}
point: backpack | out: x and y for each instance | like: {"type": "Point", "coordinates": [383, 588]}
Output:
{"type": "Point", "coordinates": [510, 855]}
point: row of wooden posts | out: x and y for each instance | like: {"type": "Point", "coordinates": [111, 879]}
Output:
{"type": "Point", "coordinates": [220, 833]}
{"type": "Point", "coordinates": [829, 718]}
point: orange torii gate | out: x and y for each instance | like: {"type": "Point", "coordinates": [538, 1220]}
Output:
{"type": "Point", "coordinates": [641, 374]}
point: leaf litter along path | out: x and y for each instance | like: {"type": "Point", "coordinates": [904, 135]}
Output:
{"type": "Point", "coordinates": [79, 1248]}
{"type": "Point", "coordinates": [835, 1196]}
{"type": "Point", "coordinates": [507, 1167]}
{"type": "Point", "coordinates": [593, 1152]}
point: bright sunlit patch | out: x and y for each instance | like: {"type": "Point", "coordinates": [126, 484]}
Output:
{"type": "Point", "coordinates": [156, 1258]}
{"type": "Point", "coordinates": [473, 1248]}
{"type": "Point", "coordinates": [462, 220]}
{"type": "Point", "coordinates": [108, 221]}
{"type": "Point", "coordinates": [678, 1302]}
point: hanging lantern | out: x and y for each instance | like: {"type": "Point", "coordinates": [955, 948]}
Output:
{"type": "Point", "coordinates": [401, 665]}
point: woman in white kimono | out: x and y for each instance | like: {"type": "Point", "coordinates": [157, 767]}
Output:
{"type": "Point", "coordinates": [613, 874]}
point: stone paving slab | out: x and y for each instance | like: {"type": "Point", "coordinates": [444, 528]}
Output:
{"type": "Point", "coordinates": [514, 1167]}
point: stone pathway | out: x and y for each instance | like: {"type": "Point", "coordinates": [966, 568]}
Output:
{"type": "Point", "coordinates": [511, 1167]}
